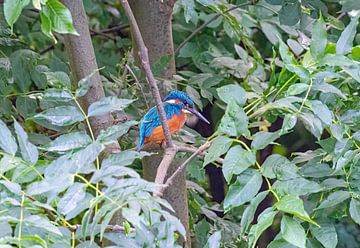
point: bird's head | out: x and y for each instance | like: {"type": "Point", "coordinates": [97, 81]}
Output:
{"type": "Point", "coordinates": [184, 101]}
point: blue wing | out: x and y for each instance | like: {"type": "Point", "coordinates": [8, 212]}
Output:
{"type": "Point", "coordinates": [151, 120]}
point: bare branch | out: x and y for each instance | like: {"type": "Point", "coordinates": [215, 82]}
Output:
{"type": "Point", "coordinates": [171, 179]}
{"type": "Point", "coordinates": [143, 54]}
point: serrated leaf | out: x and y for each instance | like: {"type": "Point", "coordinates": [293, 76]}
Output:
{"type": "Point", "coordinates": [12, 10]}
{"type": "Point", "coordinates": [74, 195]}
{"type": "Point", "coordinates": [264, 221]}
{"type": "Point", "coordinates": [248, 215]}
{"type": "Point", "coordinates": [263, 139]}
{"type": "Point", "coordinates": [107, 105]}
{"type": "Point", "coordinates": [319, 38]}
{"type": "Point", "coordinates": [29, 152]}
{"type": "Point", "coordinates": [69, 141]}
{"type": "Point", "coordinates": [236, 161]}
{"type": "Point", "coordinates": [245, 188]}
{"type": "Point", "coordinates": [7, 141]}
{"type": "Point", "coordinates": [294, 205]}
{"type": "Point", "coordinates": [60, 16]}
{"type": "Point", "coordinates": [293, 232]}
{"type": "Point", "coordinates": [233, 92]}
{"type": "Point", "coordinates": [235, 121]}
{"type": "Point", "coordinates": [219, 146]}
{"type": "Point", "coordinates": [345, 42]}
{"type": "Point", "coordinates": [114, 132]}
{"type": "Point", "coordinates": [334, 199]}
{"type": "Point", "coordinates": [61, 116]}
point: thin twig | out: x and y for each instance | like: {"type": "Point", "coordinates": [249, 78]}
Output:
{"type": "Point", "coordinates": [138, 83]}
{"type": "Point", "coordinates": [201, 27]}
{"type": "Point", "coordinates": [94, 32]}
{"type": "Point", "coordinates": [171, 179]}
{"type": "Point", "coordinates": [192, 149]}
{"type": "Point", "coordinates": [170, 150]}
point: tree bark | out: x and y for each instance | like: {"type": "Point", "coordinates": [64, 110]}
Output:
{"type": "Point", "coordinates": [154, 20]}
{"type": "Point", "coordinates": [83, 62]}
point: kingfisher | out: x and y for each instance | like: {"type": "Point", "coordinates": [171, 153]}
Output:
{"type": "Point", "coordinates": [177, 104]}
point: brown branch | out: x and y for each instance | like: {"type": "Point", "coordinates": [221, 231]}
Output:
{"type": "Point", "coordinates": [171, 179]}
{"type": "Point", "coordinates": [170, 150]}
{"type": "Point", "coordinates": [202, 26]}
{"type": "Point", "coordinates": [94, 32]}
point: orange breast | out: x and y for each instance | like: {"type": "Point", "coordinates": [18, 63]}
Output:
{"type": "Point", "coordinates": [175, 123]}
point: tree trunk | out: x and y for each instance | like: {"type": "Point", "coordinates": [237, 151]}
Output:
{"type": "Point", "coordinates": [154, 20]}
{"type": "Point", "coordinates": [83, 62]}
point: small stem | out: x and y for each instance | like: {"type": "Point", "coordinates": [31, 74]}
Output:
{"type": "Point", "coordinates": [21, 217]}
{"type": "Point", "coordinates": [306, 96]}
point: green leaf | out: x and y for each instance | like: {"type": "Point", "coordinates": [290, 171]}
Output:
{"type": "Point", "coordinates": [326, 234]}
{"type": "Point", "coordinates": [107, 105]}
{"type": "Point", "coordinates": [286, 56]}
{"type": "Point", "coordinates": [334, 199]}
{"type": "Point", "coordinates": [236, 161]}
{"type": "Point", "coordinates": [12, 187]}
{"type": "Point", "coordinates": [42, 223]}
{"type": "Point", "coordinates": [84, 84]}
{"type": "Point", "coordinates": [60, 16]}
{"type": "Point", "coordinates": [296, 186]}
{"type": "Point", "coordinates": [312, 124]}
{"type": "Point", "coordinates": [277, 166]}
{"type": "Point", "coordinates": [293, 232]}
{"type": "Point", "coordinates": [235, 121]}
{"type": "Point", "coordinates": [248, 215]}
{"type": "Point", "coordinates": [264, 221]}
{"type": "Point", "coordinates": [345, 42]}
{"type": "Point", "coordinates": [111, 134]}
{"type": "Point", "coordinates": [7, 141]}
{"type": "Point", "coordinates": [219, 146]}
{"type": "Point", "coordinates": [74, 195]}
{"type": "Point", "coordinates": [69, 141]}
{"type": "Point", "coordinates": [319, 38]}
{"type": "Point", "coordinates": [214, 240]}
{"type": "Point", "coordinates": [290, 12]}
{"type": "Point", "coordinates": [123, 158]}
{"type": "Point", "coordinates": [263, 139]}
{"type": "Point", "coordinates": [322, 112]}
{"type": "Point", "coordinates": [245, 188]}
{"type": "Point", "coordinates": [58, 79]}
{"type": "Point", "coordinates": [29, 152]}
{"type": "Point", "coordinates": [12, 10]}
{"type": "Point", "coordinates": [294, 205]}
{"type": "Point", "coordinates": [288, 123]}
{"type": "Point", "coordinates": [354, 210]}
{"type": "Point", "coordinates": [61, 116]}
{"type": "Point", "coordinates": [296, 89]}
{"type": "Point", "coordinates": [46, 26]}
{"type": "Point", "coordinates": [231, 92]}
{"type": "Point", "coordinates": [194, 95]}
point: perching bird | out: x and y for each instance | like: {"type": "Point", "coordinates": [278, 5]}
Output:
{"type": "Point", "coordinates": [176, 105]}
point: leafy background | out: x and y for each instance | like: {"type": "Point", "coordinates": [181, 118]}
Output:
{"type": "Point", "coordinates": [281, 78]}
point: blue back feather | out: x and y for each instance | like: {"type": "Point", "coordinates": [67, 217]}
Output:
{"type": "Point", "coordinates": [151, 120]}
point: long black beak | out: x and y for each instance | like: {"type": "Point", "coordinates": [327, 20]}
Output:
{"type": "Point", "coordinates": [197, 113]}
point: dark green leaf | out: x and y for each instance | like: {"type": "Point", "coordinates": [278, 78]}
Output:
{"type": "Point", "coordinates": [107, 105]}
{"type": "Point", "coordinates": [219, 146]}
{"type": "Point", "coordinates": [263, 139]}
{"type": "Point", "coordinates": [296, 186]}
{"type": "Point", "coordinates": [277, 166]}
{"type": "Point", "coordinates": [248, 215]}
{"type": "Point", "coordinates": [265, 220]}
{"type": "Point", "coordinates": [293, 205]}
{"type": "Point", "coordinates": [61, 116]}
{"type": "Point", "coordinates": [7, 141]}
{"type": "Point", "coordinates": [245, 188]}
{"type": "Point", "coordinates": [235, 121]}
{"type": "Point", "coordinates": [319, 38]}
{"type": "Point", "coordinates": [111, 134]}
{"type": "Point", "coordinates": [334, 198]}
{"type": "Point", "coordinates": [290, 12]}
{"type": "Point", "coordinates": [293, 232]}
{"type": "Point", "coordinates": [231, 92]}
{"type": "Point", "coordinates": [236, 161]}
{"type": "Point", "coordinates": [29, 152]}
{"type": "Point", "coordinates": [84, 85]}
{"type": "Point", "coordinates": [58, 79]}
{"type": "Point", "coordinates": [296, 89]}
{"type": "Point", "coordinates": [312, 124]}
{"type": "Point", "coordinates": [322, 112]}
{"type": "Point", "coordinates": [354, 210]}
{"type": "Point", "coordinates": [326, 234]}
{"type": "Point", "coordinates": [345, 42]}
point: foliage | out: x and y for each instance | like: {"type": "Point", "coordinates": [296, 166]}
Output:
{"type": "Point", "coordinates": [287, 60]}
